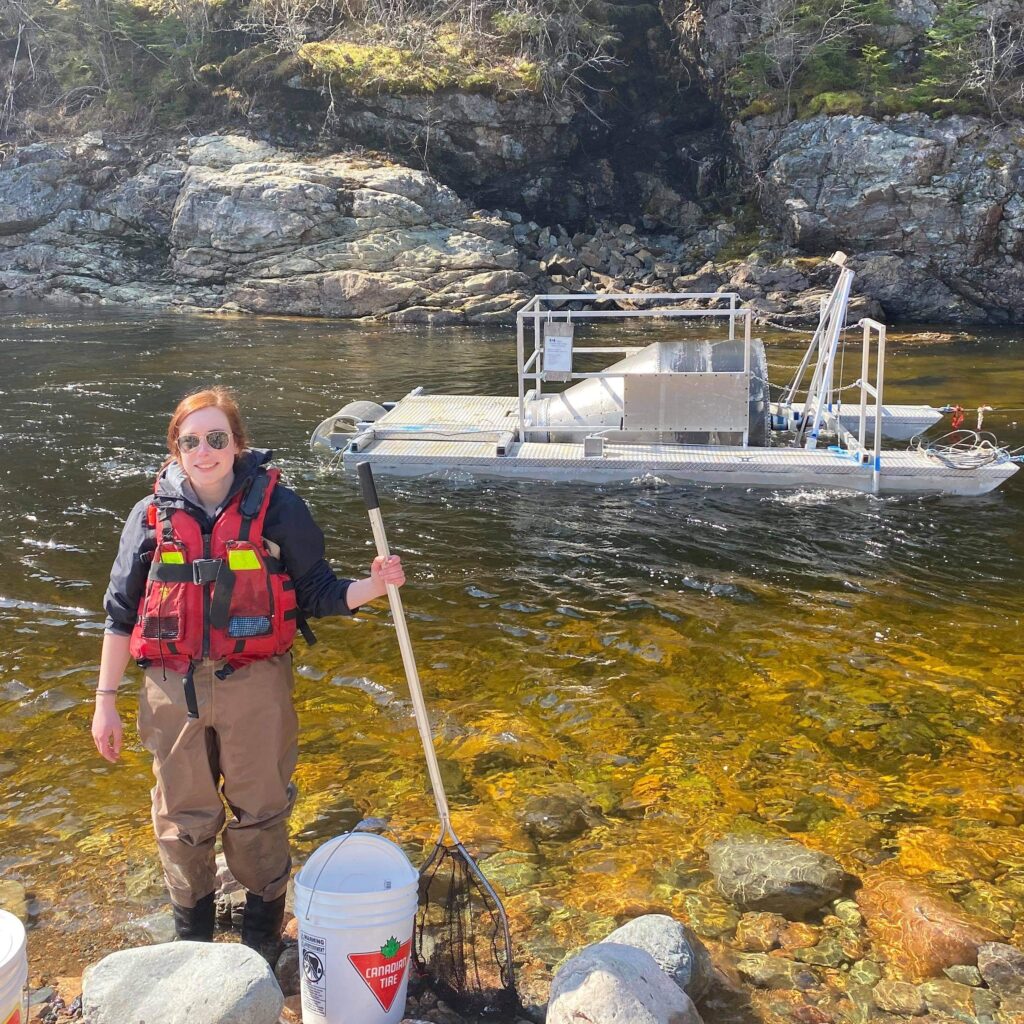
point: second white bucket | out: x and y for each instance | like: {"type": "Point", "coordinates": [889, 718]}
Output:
{"type": "Point", "coordinates": [356, 900]}
{"type": "Point", "coordinates": [13, 970]}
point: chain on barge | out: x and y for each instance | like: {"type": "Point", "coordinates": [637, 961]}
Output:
{"type": "Point", "coordinates": [685, 411]}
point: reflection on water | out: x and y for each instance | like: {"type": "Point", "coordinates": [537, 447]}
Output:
{"type": "Point", "coordinates": [652, 663]}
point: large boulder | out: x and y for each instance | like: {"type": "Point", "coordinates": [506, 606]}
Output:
{"type": "Point", "coordinates": [608, 983]}
{"type": "Point", "coordinates": [182, 983]}
{"type": "Point", "coordinates": [227, 222]}
{"type": "Point", "coordinates": [675, 948]}
{"type": "Point", "coordinates": [918, 933]}
{"type": "Point", "coordinates": [930, 210]}
{"type": "Point", "coordinates": [775, 875]}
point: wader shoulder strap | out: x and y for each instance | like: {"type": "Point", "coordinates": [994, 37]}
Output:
{"type": "Point", "coordinates": [302, 626]}
{"type": "Point", "coordinates": [251, 504]}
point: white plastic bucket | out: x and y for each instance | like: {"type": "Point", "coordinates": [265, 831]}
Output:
{"type": "Point", "coordinates": [13, 971]}
{"type": "Point", "coordinates": [356, 900]}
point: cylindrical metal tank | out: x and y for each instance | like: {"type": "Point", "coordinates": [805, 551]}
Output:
{"type": "Point", "coordinates": [600, 401]}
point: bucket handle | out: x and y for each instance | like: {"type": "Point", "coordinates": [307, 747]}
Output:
{"type": "Point", "coordinates": [337, 846]}
{"type": "Point", "coordinates": [323, 867]}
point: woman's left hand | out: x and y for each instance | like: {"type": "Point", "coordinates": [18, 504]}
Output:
{"type": "Point", "coordinates": [388, 570]}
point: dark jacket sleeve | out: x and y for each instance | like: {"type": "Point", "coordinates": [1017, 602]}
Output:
{"type": "Point", "coordinates": [128, 574]}
{"type": "Point", "coordinates": [290, 525]}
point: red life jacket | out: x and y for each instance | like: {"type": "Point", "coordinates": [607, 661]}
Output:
{"type": "Point", "coordinates": [221, 596]}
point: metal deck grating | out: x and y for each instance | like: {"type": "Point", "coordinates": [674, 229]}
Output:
{"type": "Point", "coordinates": [439, 411]}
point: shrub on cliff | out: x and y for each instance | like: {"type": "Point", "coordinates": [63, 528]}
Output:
{"type": "Point", "coordinates": [139, 62]}
{"type": "Point", "coordinates": [797, 57]}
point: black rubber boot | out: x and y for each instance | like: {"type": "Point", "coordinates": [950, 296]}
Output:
{"type": "Point", "coordinates": [195, 924]}
{"type": "Point", "coordinates": [261, 925]}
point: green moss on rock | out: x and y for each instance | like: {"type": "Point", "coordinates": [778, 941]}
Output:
{"type": "Point", "coordinates": [366, 68]}
{"type": "Point", "coordinates": [846, 102]}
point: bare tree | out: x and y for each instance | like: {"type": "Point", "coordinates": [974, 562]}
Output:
{"type": "Point", "coordinates": [997, 66]}
{"type": "Point", "coordinates": [775, 40]}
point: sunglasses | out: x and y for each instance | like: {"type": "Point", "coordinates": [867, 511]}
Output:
{"type": "Point", "coordinates": [216, 439]}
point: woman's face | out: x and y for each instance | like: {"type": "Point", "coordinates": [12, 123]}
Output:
{"type": "Point", "coordinates": [208, 468]}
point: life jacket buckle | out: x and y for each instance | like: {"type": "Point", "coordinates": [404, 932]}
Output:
{"type": "Point", "coordinates": [206, 570]}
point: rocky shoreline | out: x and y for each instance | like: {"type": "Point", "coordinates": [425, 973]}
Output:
{"type": "Point", "coordinates": [781, 934]}
{"type": "Point", "coordinates": [229, 224]}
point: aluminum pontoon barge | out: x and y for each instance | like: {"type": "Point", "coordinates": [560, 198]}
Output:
{"type": "Point", "coordinates": [693, 411]}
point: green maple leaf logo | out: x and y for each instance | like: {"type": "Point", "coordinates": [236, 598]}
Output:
{"type": "Point", "coordinates": [390, 948]}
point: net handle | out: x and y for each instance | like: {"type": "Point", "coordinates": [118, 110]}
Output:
{"type": "Point", "coordinates": [380, 538]}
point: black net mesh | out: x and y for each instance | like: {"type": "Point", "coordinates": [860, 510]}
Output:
{"type": "Point", "coordinates": [462, 940]}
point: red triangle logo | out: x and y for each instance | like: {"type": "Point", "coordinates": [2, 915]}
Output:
{"type": "Point", "coordinates": [383, 969]}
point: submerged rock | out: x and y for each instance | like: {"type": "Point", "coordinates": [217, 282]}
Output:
{"type": "Point", "coordinates": [152, 928]}
{"type": "Point", "coordinates": [899, 997]}
{"type": "Point", "coordinates": [918, 932]}
{"type": "Point", "coordinates": [558, 815]}
{"type": "Point", "coordinates": [182, 983]}
{"type": "Point", "coordinates": [760, 932]}
{"type": "Point", "coordinates": [14, 899]}
{"type": "Point", "coordinates": [1002, 967]}
{"type": "Point", "coordinates": [610, 983]}
{"type": "Point", "coordinates": [675, 948]}
{"type": "Point", "coordinates": [775, 875]}
{"type": "Point", "coordinates": [766, 971]}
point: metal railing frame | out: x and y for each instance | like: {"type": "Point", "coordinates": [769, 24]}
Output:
{"type": "Point", "coordinates": [532, 367]}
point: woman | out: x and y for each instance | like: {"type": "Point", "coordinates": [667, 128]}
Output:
{"type": "Point", "coordinates": [215, 572]}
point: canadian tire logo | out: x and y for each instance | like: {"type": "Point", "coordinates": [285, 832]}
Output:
{"type": "Point", "coordinates": [383, 969]}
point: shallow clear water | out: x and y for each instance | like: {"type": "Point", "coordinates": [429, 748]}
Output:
{"type": "Point", "coordinates": [676, 660]}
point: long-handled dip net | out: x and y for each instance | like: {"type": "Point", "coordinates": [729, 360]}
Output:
{"type": "Point", "coordinates": [462, 938]}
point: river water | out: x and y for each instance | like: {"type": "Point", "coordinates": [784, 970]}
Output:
{"type": "Point", "coordinates": [652, 664]}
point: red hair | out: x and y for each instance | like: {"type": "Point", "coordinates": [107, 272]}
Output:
{"type": "Point", "coordinates": [215, 398]}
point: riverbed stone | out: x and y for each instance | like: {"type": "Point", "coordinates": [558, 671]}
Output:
{"type": "Point", "coordinates": [14, 899]}
{"type": "Point", "coordinates": [865, 972]}
{"type": "Point", "coordinates": [558, 815]}
{"type": "Point", "coordinates": [964, 974]}
{"type": "Point", "coordinates": [767, 971]}
{"type": "Point", "coordinates": [1010, 1011]}
{"type": "Point", "coordinates": [513, 870]}
{"type": "Point", "coordinates": [1002, 967]}
{"type": "Point", "coordinates": [775, 875]}
{"type": "Point", "coordinates": [918, 932]}
{"type": "Point", "coordinates": [798, 935]}
{"type": "Point", "coordinates": [609, 983]}
{"type": "Point", "coordinates": [899, 997]}
{"type": "Point", "coordinates": [182, 983]}
{"type": "Point", "coordinates": [709, 915]}
{"type": "Point", "coordinates": [827, 953]}
{"type": "Point", "coordinates": [759, 932]}
{"type": "Point", "coordinates": [950, 998]}
{"type": "Point", "coordinates": [286, 970]}
{"type": "Point", "coordinates": [675, 948]}
{"type": "Point", "coordinates": [848, 912]}
{"type": "Point", "coordinates": [150, 928]}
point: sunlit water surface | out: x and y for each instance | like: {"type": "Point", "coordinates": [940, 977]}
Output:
{"type": "Point", "coordinates": [678, 660]}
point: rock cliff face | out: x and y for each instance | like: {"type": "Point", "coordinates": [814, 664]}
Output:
{"type": "Point", "coordinates": [933, 211]}
{"type": "Point", "coordinates": [226, 223]}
